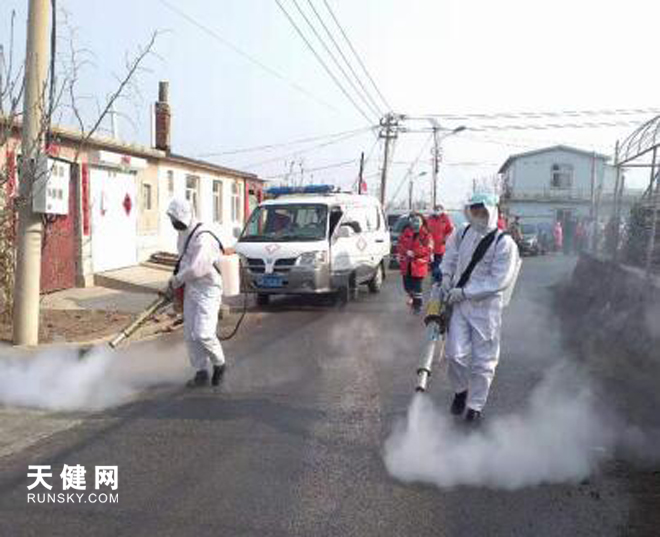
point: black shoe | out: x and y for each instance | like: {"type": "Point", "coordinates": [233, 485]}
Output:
{"type": "Point", "coordinates": [458, 404]}
{"type": "Point", "coordinates": [200, 379]}
{"type": "Point", "coordinates": [473, 417]}
{"type": "Point", "coordinates": [218, 374]}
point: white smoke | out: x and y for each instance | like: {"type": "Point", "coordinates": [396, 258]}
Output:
{"type": "Point", "coordinates": [558, 438]}
{"type": "Point", "coordinates": [61, 380]}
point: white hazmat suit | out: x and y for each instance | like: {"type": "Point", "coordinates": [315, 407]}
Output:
{"type": "Point", "coordinates": [473, 338]}
{"type": "Point", "coordinates": [203, 288]}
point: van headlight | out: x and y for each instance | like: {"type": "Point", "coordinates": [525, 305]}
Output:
{"type": "Point", "coordinates": [312, 259]}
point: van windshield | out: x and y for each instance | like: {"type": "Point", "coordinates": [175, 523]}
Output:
{"type": "Point", "coordinates": [291, 222]}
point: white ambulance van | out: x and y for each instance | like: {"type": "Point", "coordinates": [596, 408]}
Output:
{"type": "Point", "coordinates": [314, 239]}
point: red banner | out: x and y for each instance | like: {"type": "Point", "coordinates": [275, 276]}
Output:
{"type": "Point", "coordinates": [84, 190]}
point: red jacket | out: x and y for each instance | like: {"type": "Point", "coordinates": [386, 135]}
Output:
{"type": "Point", "coordinates": [440, 228]}
{"type": "Point", "coordinates": [421, 245]}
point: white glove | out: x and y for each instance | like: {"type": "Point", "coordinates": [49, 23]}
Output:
{"type": "Point", "coordinates": [410, 253]}
{"type": "Point", "coordinates": [456, 295]}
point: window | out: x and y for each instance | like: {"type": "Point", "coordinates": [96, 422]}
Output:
{"type": "Point", "coordinates": [217, 201]}
{"type": "Point", "coordinates": [170, 183]}
{"type": "Point", "coordinates": [146, 197]}
{"type": "Point", "coordinates": [192, 192]}
{"type": "Point", "coordinates": [562, 176]}
{"type": "Point", "coordinates": [287, 223]}
{"type": "Point", "coordinates": [235, 202]}
{"type": "Point", "coordinates": [372, 218]}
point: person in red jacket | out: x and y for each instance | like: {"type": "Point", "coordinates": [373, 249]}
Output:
{"type": "Point", "coordinates": [440, 227]}
{"type": "Point", "coordinates": [414, 249]}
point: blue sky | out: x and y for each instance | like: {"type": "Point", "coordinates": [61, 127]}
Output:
{"type": "Point", "coordinates": [427, 56]}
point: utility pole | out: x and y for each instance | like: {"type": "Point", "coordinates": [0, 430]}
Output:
{"type": "Point", "coordinates": [28, 265]}
{"type": "Point", "coordinates": [410, 195]}
{"type": "Point", "coordinates": [435, 164]}
{"type": "Point", "coordinates": [361, 174]}
{"type": "Point", "coordinates": [389, 132]}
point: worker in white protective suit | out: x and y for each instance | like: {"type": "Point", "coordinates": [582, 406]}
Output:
{"type": "Point", "coordinates": [199, 251]}
{"type": "Point", "coordinates": [476, 292]}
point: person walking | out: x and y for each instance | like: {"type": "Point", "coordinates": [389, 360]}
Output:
{"type": "Point", "coordinates": [196, 271]}
{"type": "Point", "coordinates": [440, 227]}
{"type": "Point", "coordinates": [414, 250]}
{"type": "Point", "coordinates": [558, 236]}
{"type": "Point", "coordinates": [480, 264]}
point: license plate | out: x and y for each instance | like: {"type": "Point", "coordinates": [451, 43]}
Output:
{"type": "Point", "coordinates": [270, 280]}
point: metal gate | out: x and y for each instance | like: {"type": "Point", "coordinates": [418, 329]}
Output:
{"type": "Point", "coordinates": [59, 253]}
{"type": "Point", "coordinates": [114, 219]}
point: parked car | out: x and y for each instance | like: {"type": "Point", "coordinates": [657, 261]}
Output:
{"type": "Point", "coordinates": [392, 220]}
{"type": "Point", "coordinates": [314, 240]}
{"type": "Point", "coordinates": [530, 242]}
{"type": "Point", "coordinates": [395, 232]}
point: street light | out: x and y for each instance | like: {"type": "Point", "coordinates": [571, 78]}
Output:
{"type": "Point", "coordinates": [437, 140]}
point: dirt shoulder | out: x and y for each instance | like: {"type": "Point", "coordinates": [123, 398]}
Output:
{"type": "Point", "coordinates": [80, 326]}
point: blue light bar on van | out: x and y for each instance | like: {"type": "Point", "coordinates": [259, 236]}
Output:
{"type": "Point", "coordinates": [309, 189]}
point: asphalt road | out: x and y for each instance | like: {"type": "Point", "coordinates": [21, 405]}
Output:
{"type": "Point", "coordinates": [292, 444]}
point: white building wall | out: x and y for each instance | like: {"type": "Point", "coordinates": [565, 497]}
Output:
{"type": "Point", "coordinates": [533, 197]}
{"type": "Point", "coordinates": [533, 174]}
{"type": "Point", "coordinates": [167, 235]}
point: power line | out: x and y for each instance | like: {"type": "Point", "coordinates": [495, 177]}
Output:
{"type": "Point", "coordinates": [547, 113]}
{"type": "Point", "coordinates": [334, 59]}
{"type": "Point", "coordinates": [337, 140]}
{"type": "Point", "coordinates": [319, 168]}
{"type": "Point", "coordinates": [540, 127]}
{"type": "Point", "coordinates": [374, 104]}
{"type": "Point", "coordinates": [355, 53]}
{"type": "Point", "coordinates": [278, 145]}
{"type": "Point", "coordinates": [320, 60]}
{"type": "Point", "coordinates": [411, 168]}
{"type": "Point", "coordinates": [215, 35]}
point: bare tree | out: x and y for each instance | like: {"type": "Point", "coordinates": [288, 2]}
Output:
{"type": "Point", "coordinates": [61, 97]}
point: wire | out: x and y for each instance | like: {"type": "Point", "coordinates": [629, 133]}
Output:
{"type": "Point", "coordinates": [215, 35]}
{"type": "Point", "coordinates": [410, 169]}
{"type": "Point", "coordinates": [366, 162]}
{"type": "Point", "coordinates": [320, 60]}
{"type": "Point", "coordinates": [352, 134]}
{"type": "Point", "coordinates": [276, 146]}
{"type": "Point", "coordinates": [375, 111]}
{"type": "Point", "coordinates": [550, 113]}
{"type": "Point", "coordinates": [540, 127]}
{"type": "Point", "coordinates": [326, 167]}
{"type": "Point", "coordinates": [364, 68]}
{"type": "Point", "coordinates": [374, 105]}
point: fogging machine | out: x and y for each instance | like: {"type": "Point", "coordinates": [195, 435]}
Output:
{"type": "Point", "coordinates": [437, 322]}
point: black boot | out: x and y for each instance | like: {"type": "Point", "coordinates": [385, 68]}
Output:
{"type": "Point", "coordinates": [200, 379]}
{"type": "Point", "coordinates": [218, 374]}
{"type": "Point", "coordinates": [458, 404]}
{"type": "Point", "coordinates": [473, 417]}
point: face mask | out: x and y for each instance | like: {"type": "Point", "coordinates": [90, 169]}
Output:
{"type": "Point", "coordinates": [479, 223]}
{"type": "Point", "coordinates": [179, 226]}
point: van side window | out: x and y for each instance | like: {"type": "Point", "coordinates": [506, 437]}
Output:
{"type": "Point", "coordinates": [372, 216]}
{"type": "Point", "coordinates": [335, 216]}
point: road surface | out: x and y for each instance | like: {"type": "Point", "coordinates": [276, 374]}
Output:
{"type": "Point", "coordinates": [292, 444]}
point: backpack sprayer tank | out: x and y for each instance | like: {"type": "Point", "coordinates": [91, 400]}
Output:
{"type": "Point", "coordinates": [436, 320]}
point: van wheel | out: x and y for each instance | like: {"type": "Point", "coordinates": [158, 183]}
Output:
{"type": "Point", "coordinates": [376, 283]}
{"type": "Point", "coordinates": [263, 300]}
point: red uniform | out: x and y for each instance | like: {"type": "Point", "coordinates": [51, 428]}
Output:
{"type": "Point", "coordinates": [421, 245]}
{"type": "Point", "coordinates": [440, 227]}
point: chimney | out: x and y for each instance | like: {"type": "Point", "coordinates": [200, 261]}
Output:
{"type": "Point", "coordinates": [163, 117]}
